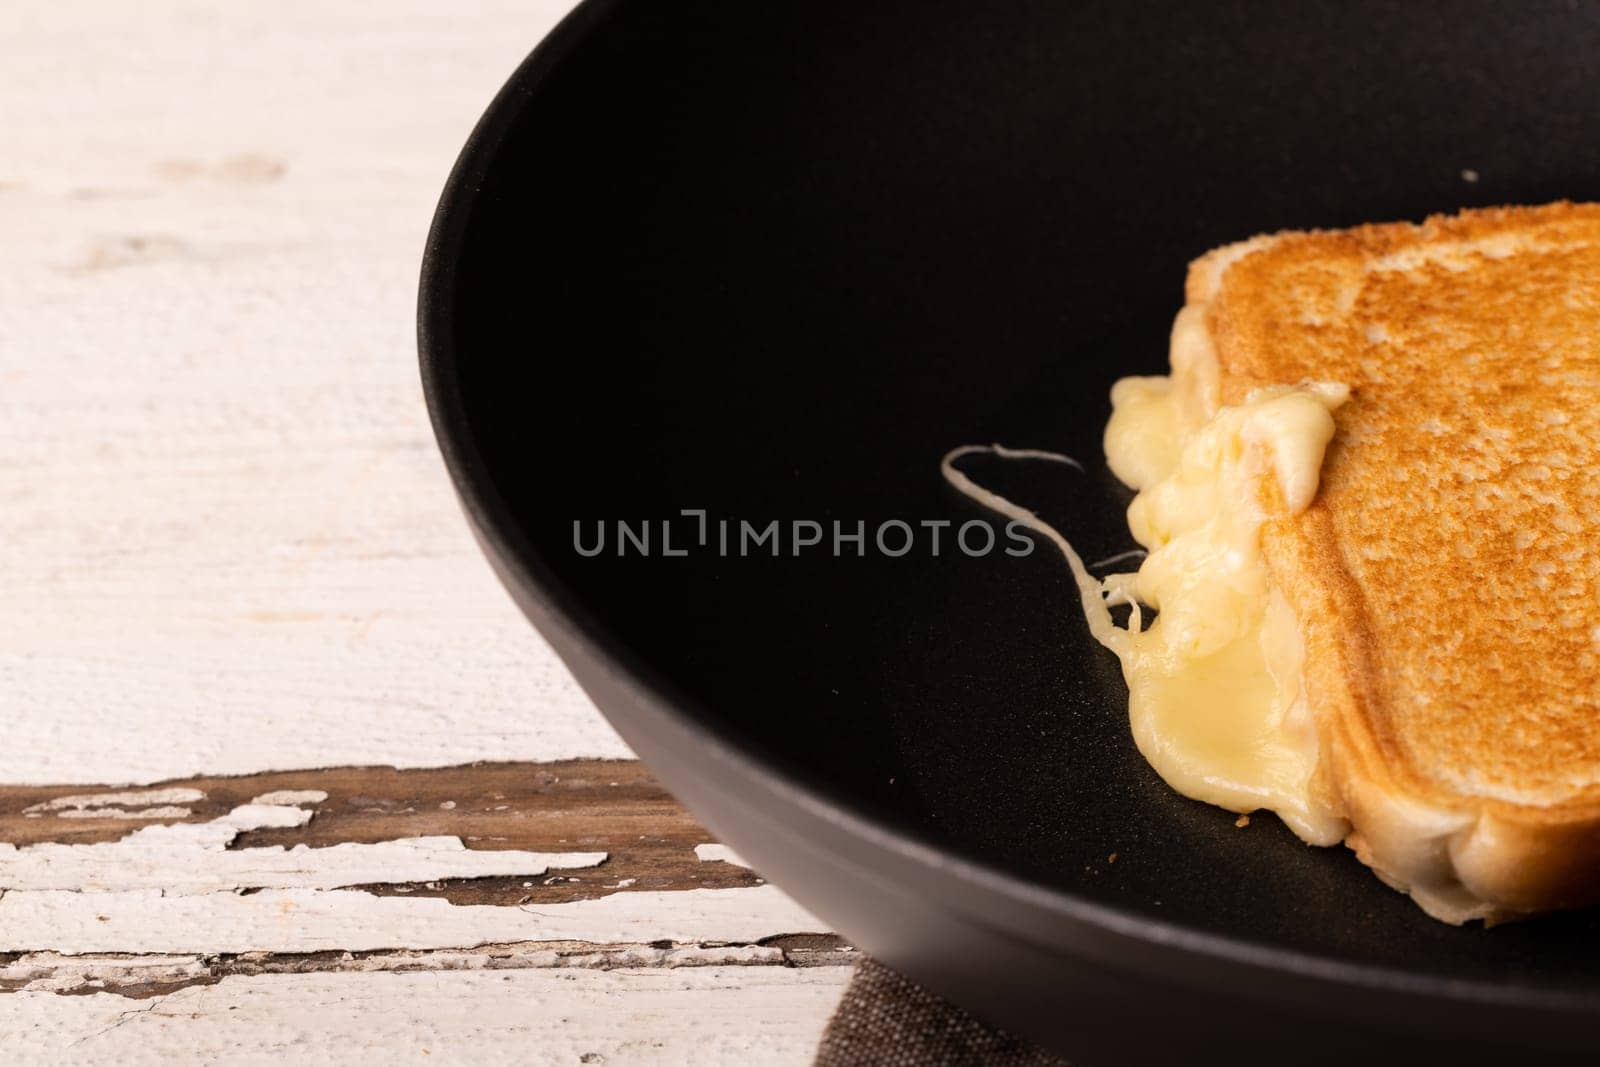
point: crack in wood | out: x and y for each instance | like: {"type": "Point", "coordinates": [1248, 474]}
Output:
{"type": "Point", "coordinates": [147, 977]}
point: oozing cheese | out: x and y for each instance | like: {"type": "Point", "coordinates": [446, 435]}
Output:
{"type": "Point", "coordinates": [1215, 681]}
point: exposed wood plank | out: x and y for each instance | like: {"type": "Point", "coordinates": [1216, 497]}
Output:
{"type": "Point", "coordinates": [183, 859]}
{"type": "Point", "coordinates": [588, 850]}
{"type": "Point", "coordinates": [609, 806]}
{"type": "Point", "coordinates": [706, 1015]}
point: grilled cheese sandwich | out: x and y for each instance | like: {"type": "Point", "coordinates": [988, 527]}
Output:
{"type": "Point", "coordinates": [1390, 636]}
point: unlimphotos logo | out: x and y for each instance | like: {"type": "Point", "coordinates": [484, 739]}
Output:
{"type": "Point", "coordinates": [792, 537]}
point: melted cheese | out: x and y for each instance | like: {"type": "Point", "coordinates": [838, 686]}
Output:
{"type": "Point", "coordinates": [1215, 681]}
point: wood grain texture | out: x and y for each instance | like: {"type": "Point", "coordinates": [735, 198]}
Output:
{"type": "Point", "coordinates": [230, 545]}
{"type": "Point", "coordinates": [373, 859]}
{"type": "Point", "coordinates": [711, 1015]}
{"type": "Point", "coordinates": [610, 806]}
{"type": "Point", "coordinates": [139, 976]}
{"type": "Point", "coordinates": [231, 551]}
{"type": "Point", "coordinates": [144, 921]}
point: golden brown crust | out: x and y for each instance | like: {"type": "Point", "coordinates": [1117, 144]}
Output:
{"type": "Point", "coordinates": [1445, 577]}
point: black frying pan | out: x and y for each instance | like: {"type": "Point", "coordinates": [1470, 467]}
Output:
{"type": "Point", "coordinates": [771, 261]}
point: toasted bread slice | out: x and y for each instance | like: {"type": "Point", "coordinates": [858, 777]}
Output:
{"type": "Point", "coordinates": [1446, 577]}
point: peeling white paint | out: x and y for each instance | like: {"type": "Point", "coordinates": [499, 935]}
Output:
{"type": "Point", "coordinates": [195, 858]}
{"type": "Point", "coordinates": [92, 804]}
{"type": "Point", "coordinates": [291, 796]}
{"type": "Point", "coordinates": [703, 1015]}
{"type": "Point", "coordinates": [708, 853]}
{"type": "Point", "coordinates": [58, 973]}
{"type": "Point", "coordinates": [119, 813]}
{"type": "Point", "coordinates": [224, 828]}
{"type": "Point", "coordinates": [310, 920]}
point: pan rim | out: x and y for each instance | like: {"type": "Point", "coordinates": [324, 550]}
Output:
{"type": "Point", "coordinates": [521, 568]}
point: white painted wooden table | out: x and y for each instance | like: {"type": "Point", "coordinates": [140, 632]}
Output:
{"type": "Point", "coordinates": [235, 591]}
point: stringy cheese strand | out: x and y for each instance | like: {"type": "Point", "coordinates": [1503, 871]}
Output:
{"type": "Point", "coordinates": [1090, 591]}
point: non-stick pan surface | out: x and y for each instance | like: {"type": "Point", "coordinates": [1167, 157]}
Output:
{"type": "Point", "coordinates": [772, 260]}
